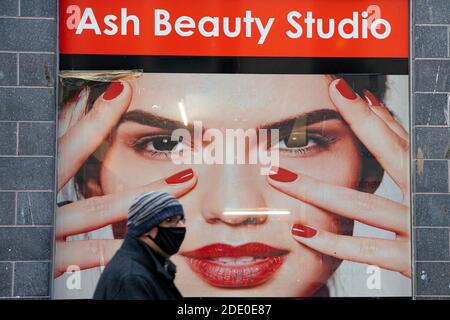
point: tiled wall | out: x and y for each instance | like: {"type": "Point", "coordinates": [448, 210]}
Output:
{"type": "Point", "coordinates": [431, 150]}
{"type": "Point", "coordinates": [27, 145]}
{"type": "Point", "coordinates": [27, 149]}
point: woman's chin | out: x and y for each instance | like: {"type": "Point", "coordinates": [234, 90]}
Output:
{"type": "Point", "coordinates": [192, 285]}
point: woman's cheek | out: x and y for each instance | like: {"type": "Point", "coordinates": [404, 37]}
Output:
{"type": "Point", "coordinates": [341, 166]}
{"type": "Point", "coordinates": [308, 269]}
{"type": "Point", "coordinates": [123, 169]}
{"type": "Point", "coordinates": [305, 270]}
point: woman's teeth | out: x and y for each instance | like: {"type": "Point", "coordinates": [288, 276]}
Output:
{"type": "Point", "coordinates": [239, 260]}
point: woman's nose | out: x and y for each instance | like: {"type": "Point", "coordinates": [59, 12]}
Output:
{"type": "Point", "coordinates": [232, 195]}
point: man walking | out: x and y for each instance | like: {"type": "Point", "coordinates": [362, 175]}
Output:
{"type": "Point", "coordinates": [141, 268]}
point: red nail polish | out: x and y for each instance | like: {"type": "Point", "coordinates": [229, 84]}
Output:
{"type": "Point", "coordinates": [371, 99]}
{"type": "Point", "coordinates": [345, 90]}
{"type": "Point", "coordinates": [303, 231]}
{"type": "Point", "coordinates": [180, 177]}
{"type": "Point", "coordinates": [282, 175]}
{"type": "Point", "coordinates": [113, 90]}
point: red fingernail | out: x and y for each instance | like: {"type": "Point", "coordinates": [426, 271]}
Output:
{"type": "Point", "coordinates": [180, 177]}
{"type": "Point", "coordinates": [282, 175]}
{"type": "Point", "coordinates": [345, 90]}
{"type": "Point", "coordinates": [113, 90]}
{"type": "Point", "coordinates": [303, 231]}
{"type": "Point", "coordinates": [371, 99]}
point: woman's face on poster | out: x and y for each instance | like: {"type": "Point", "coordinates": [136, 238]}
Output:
{"type": "Point", "coordinates": [252, 252]}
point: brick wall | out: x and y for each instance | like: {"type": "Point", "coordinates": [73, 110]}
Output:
{"type": "Point", "coordinates": [431, 149]}
{"type": "Point", "coordinates": [27, 148]}
{"type": "Point", "coordinates": [27, 145]}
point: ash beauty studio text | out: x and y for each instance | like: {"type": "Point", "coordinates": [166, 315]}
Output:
{"type": "Point", "coordinates": [358, 25]}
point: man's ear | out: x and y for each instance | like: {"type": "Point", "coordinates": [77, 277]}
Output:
{"type": "Point", "coordinates": [371, 172]}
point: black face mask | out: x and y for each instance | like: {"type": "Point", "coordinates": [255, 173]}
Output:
{"type": "Point", "coordinates": [169, 239]}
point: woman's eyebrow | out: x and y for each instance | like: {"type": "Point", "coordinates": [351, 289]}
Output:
{"type": "Point", "coordinates": [305, 119]}
{"type": "Point", "coordinates": [149, 119]}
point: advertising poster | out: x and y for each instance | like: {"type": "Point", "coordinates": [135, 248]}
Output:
{"type": "Point", "coordinates": [281, 126]}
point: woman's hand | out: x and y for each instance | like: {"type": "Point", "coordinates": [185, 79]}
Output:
{"type": "Point", "coordinates": [80, 135]}
{"type": "Point", "coordinates": [388, 142]}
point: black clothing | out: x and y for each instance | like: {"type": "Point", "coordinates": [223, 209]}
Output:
{"type": "Point", "coordinates": [137, 272]}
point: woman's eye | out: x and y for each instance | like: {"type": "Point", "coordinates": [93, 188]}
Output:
{"type": "Point", "coordinates": [295, 141]}
{"type": "Point", "coordinates": [163, 144]}
{"type": "Point", "coordinates": [159, 146]}
{"type": "Point", "coordinates": [300, 144]}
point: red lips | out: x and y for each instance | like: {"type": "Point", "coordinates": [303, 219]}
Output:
{"type": "Point", "coordinates": [246, 265]}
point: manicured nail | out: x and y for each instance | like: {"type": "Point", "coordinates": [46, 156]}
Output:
{"type": "Point", "coordinates": [371, 99]}
{"type": "Point", "coordinates": [345, 90]}
{"type": "Point", "coordinates": [113, 90]}
{"type": "Point", "coordinates": [282, 175]}
{"type": "Point", "coordinates": [180, 177]}
{"type": "Point", "coordinates": [303, 231]}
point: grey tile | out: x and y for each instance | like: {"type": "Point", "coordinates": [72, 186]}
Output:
{"type": "Point", "coordinates": [35, 208]}
{"type": "Point", "coordinates": [432, 278]}
{"type": "Point", "coordinates": [432, 143]}
{"type": "Point", "coordinates": [25, 243]}
{"type": "Point", "coordinates": [431, 109]}
{"type": "Point", "coordinates": [37, 69]}
{"type": "Point", "coordinates": [432, 244]}
{"type": "Point", "coordinates": [432, 210]}
{"type": "Point", "coordinates": [431, 176]}
{"type": "Point", "coordinates": [432, 75]}
{"type": "Point", "coordinates": [27, 104]}
{"type": "Point", "coordinates": [7, 208]}
{"type": "Point", "coordinates": [28, 35]}
{"type": "Point", "coordinates": [36, 138]}
{"type": "Point", "coordinates": [432, 11]}
{"type": "Point", "coordinates": [6, 269]}
{"type": "Point", "coordinates": [31, 279]}
{"type": "Point", "coordinates": [8, 141]}
{"type": "Point", "coordinates": [8, 69]}
{"type": "Point", "coordinates": [26, 173]}
{"type": "Point", "coordinates": [431, 41]}
{"type": "Point", "coordinates": [37, 8]}
{"type": "Point", "coordinates": [9, 8]}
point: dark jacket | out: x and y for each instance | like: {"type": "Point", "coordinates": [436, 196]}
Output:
{"type": "Point", "coordinates": [137, 272]}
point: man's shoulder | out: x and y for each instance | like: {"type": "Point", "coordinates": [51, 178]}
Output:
{"type": "Point", "coordinates": [123, 264]}
{"type": "Point", "coordinates": [131, 285]}
{"type": "Point", "coordinates": [134, 277]}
